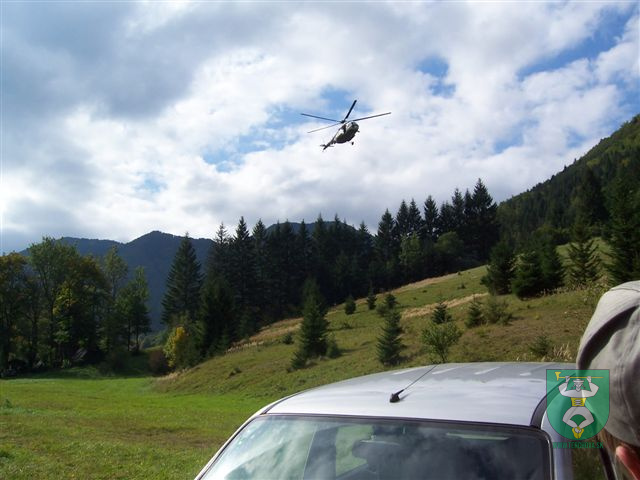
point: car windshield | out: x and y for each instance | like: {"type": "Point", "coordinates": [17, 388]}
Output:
{"type": "Point", "coordinates": [317, 447]}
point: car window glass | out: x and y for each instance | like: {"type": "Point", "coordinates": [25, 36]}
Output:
{"type": "Point", "coordinates": [347, 448]}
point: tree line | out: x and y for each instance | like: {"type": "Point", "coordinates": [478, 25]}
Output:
{"type": "Point", "coordinates": [253, 278]}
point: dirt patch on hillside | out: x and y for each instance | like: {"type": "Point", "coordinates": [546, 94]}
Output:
{"type": "Point", "coordinates": [425, 282]}
{"type": "Point", "coordinates": [427, 309]}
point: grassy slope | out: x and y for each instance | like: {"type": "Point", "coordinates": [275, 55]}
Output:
{"type": "Point", "coordinates": [259, 367]}
{"type": "Point", "coordinates": [137, 428]}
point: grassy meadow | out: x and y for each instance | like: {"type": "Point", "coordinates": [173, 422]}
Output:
{"type": "Point", "coordinates": [85, 425]}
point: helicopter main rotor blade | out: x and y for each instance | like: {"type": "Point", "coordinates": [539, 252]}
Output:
{"type": "Point", "coordinates": [323, 128]}
{"type": "Point", "coordinates": [371, 116]}
{"type": "Point", "coordinates": [322, 118]}
{"type": "Point", "coordinates": [349, 112]}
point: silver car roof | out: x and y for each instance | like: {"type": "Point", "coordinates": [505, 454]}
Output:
{"type": "Point", "coordinates": [505, 393]}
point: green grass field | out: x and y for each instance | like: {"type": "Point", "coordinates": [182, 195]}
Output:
{"type": "Point", "coordinates": [88, 426]}
{"type": "Point", "coordinates": [110, 428]}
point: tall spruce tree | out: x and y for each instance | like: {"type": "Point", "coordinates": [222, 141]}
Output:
{"type": "Point", "coordinates": [389, 346]}
{"type": "Point", "coordinates": [217, 315]}
{"type": "Point", "coordinates": [528, 279]}
{"type": "Point", "coordinates": [182, 296]}
{"type": "Point", "coordinates": [552, 267]}
{"type": "Point", "coordinates": [312, 341]}
{"type": "Point", "coordinates": [584, 263]}
{"type": "Point", "coordinates": [624, 231]}
{"type": "Point", "coordinates": [500, 270]}
{"type": "Point", "coordinates": [242, 266]}
{"type": "Point", "coordinates": [430, 226]}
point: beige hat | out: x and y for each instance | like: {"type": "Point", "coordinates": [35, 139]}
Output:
{"type": "Point", "coordinates": [611, 341]}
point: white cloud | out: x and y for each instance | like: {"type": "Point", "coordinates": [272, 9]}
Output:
{"type": "Point", "coordinates": [179, 116]}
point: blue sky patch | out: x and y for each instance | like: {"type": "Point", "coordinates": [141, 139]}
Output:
{"type": "Point", "coordinates": [606, 36]}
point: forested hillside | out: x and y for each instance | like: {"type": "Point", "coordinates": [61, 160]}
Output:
{"type": "Point", "coordinates": [583, 188]}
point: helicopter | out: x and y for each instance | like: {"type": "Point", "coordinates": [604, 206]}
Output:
{"type": "Point", "coordinates": [347, 130]}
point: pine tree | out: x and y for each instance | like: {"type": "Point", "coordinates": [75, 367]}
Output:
{"type": "Point", "coordinates": [217, 316]}
{"type": "Point", "coordinates": [350, 305]}
{"type": "Point", "coordinates": [500, 270]}
{"type": "Point", "coordinates": [182, 295]}
{"type": "Point", "coordinates": [552, 267]}
{"type": "Point", "coordinates": [624, 231]}
{"type": "Point", "coordinates": [402, 221]}
{"type": "Point", "coordinates": [371, 298]}
{"type": "Point", "coordinates": [389, 346]}
{"type": "Point", "coordinates": [474, 313]}
{"type": "Point", "coordinates": [312, 341]}
{"type": "Point", "coordinates": [431, 220]}
{"type": "Point", "coordinates": [528, 278]}
{"type": "Point", "coordinates": [242, 266]}
{"type": "Point", "coordinates": [414, 220]}
{"type": "Point", "coordinates": [482, 221]}
{"type": "Point", "coordinates": [440, 314]}
{"type": "Point", "coordinates": [584, 264]}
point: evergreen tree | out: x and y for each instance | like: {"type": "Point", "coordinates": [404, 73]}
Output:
{"type": "Point", "coordinates": [182, 296]}
{"type": "Point", "coordinates": [474, 313]}
{"type": "Point", "coordinates": [350, 305]}
{"type": "Point", "coordinates": [402, 226]}
{"type": "Point", "coordinates": [261, 295]}
{"type": "Point", "coordinates": [500, 270]}
{"type": "Point", "coordinates": [528, 278]}
{"type": "Point", "coordinates": [386, 248]}
{"type": "Point", "coordinates": [481, 221]}
{"type": "Point", "coordinates": [589, 202]}
{"type": "Point", "coordinates": [389, 345]}
{"type": "Point", "coordinates": [584, 264]}
{"type": "Point", "coordinates": [412, 257]}
{"type": "Point", "coordinates": [458, 219]}
{"type": "Point", "coordinates": [431, 219]}
{"type": "Point", "coordinates": [217, 315]}
{"type": "Point", "coordinates": [440, 314]}
{"type": "Point", "coordinates": [624, 231]}
{"type": "Point", "coordinates": [552, 267]}
{"type": "Point", "coordinates": [446, 219]}
{"type": "Point", "coordinates": [242, 266]}
{"type": "Point", "coordinates": [312, 340]}
{"type": "Point", "coordinates": [371, 298]}
{"type": "Point", "coordinates": [304, 248]}
{"type": "Point", "coordinates": [414, 219]}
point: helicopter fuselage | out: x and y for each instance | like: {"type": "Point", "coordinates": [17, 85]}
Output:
{"type": "Point", "coordinates": [346, 132]}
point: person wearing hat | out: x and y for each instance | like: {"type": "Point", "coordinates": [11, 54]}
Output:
{"type": "Point", "coordinates": [611, 342]}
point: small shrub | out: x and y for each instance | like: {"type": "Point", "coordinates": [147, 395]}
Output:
{"type": "Point", "coordinates": [287, 338]}
{"type": "Point", "coordinates": [390, 302]}
{"type": "Point", "coordinates": [333, 351]}
{"type": "Point", "coordinates": [371, 300]}
{"type": "Point", "coordinates": [440, 314]}
{"type": "Point", "coordinates": [541, 346]}
{"type": "Point", "coordinates": [439, 338]}
{"type": "Point", "coordinates": [350, 305]}
{"type": "Point", "coordinates": [497, 311]}
{"type": "Point", "coordinates": [475, 317]}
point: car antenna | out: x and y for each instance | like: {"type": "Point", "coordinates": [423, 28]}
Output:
{"type": "Point", "coordinates": [395, 397]}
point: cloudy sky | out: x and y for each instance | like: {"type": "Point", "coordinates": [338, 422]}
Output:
{"type": "Point", "coordinates": [119, 118]}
